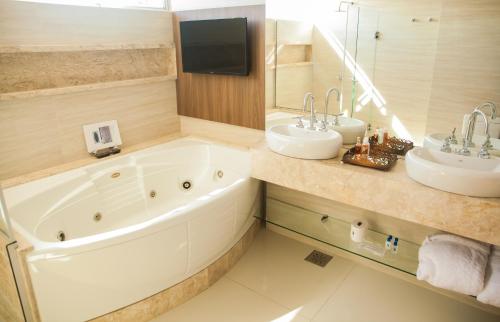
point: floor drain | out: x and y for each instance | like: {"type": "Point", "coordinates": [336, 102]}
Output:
{"type": "Point", "coordinates": [318, 258]}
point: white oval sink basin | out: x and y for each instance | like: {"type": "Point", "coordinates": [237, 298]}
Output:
{"type": "Point", "coordinates": [349, 128]}
{"type": "Point", "coordinates": [302, 143]}
{"type": "Point", "coordinates": [470, 176]}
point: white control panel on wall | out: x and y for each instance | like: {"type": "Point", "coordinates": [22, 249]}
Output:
{"type": "Point", "coordinates": [102, 135]}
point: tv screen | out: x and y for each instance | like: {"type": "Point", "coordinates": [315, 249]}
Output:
{"type": "Point", "coordinates": [215, 46]}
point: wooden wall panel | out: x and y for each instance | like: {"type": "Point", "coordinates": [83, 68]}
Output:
{"type": "Point", "coordinates": [236, 100]}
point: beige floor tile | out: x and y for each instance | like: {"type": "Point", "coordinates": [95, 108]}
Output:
{"type": "Point", "coordinates": [227, 301]}
{"type": "Point", "coordinates": [274, 266]}
{"type": "Point", "coordinates": [371, 296]}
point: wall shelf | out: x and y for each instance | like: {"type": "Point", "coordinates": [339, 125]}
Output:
{"type": "Point", "coordinates": [336, 233]}
{"type": "Point", "coordinates": [83, 88]}
{"type": "Point", "coordinates": [292, 65]}
{"type": "Point", "coordinates": [60, 48]}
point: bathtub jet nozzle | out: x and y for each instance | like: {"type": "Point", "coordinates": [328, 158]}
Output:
{"type": "Point", "coordinates": [61, 236]}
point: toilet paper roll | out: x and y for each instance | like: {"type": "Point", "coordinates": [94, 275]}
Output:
{"type": "Point", "coordinates": [358, 230]}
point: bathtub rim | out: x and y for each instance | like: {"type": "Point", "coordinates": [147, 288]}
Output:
{"type": "Point", "coordinates": [78, 171]}
{"type": "Point", "coordinates": [35, 246]}
{"type": "Point", "coordinates": [54, 250]}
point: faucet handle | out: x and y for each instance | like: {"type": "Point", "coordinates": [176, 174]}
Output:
{"type": "Point", "coordinates": [487, 144]}
{"type": "Point", "coordinates": [324, 126]}
{"type": "Point", "coordinates": [453, 138]}
{"type": "Point", "coordinates": [465, 149]}
{"type": "Point", "coordinates": [336, 119]}
{"type": "Point", "coordinates": [446, 145]}
{"type": "Point", "coordinates": [483, 152]}
{"type": "Point", "coordinates": [300, 124]}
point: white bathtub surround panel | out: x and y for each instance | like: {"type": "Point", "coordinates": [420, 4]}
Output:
{"type": "Point", "coordinates": [89, 284]}
{"type": "Point", "coordinates": [153, 306]}
{"type": "Point", "coordinates": [210, 234]}
{"type": "Point", "coordinates": [152, 233]}
{"type": "Point", "coordinates": [454, 263]}
{"type": "Point", "coordinates": [491, 292]}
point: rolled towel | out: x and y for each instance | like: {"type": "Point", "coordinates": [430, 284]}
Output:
{"type": "Point", "coordinates": [491, 292]}
{"type": "Point", "coordinates": [453, 262]}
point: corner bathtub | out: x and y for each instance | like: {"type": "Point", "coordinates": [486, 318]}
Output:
{"type": "Point", "coordinates": [131, 226]}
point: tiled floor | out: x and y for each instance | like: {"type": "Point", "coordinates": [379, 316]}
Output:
{"type": "Point", "coordinates": [272, 282]}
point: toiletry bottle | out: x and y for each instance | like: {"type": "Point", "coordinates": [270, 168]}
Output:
{"type": "Point", "coordinates": [374, 138]}
{"type": "Point", "coordinates": [365, 148]}
{"type": "Point", "coordinates": [395, 247]}
{"type": "Point", "coordinates": [357, 147]}
{"type": "Point", "coordinates": [386, 137]}
{"type": "Point", "coordinates": [380, 136]}
{"type": "Point", "coordinates": [388, 242]}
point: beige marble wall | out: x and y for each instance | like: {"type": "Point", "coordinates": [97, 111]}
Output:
{"type": "Point", "coordinates": [31, 25]}
{"type": "Point", "coordinates": [467, 68]}
{"type": "Point", "coordinates": [424, 74]}
{"type": "Point", "coordinates": [226, 133]}
{"type": "Point", "coordinates": [24, 71]}
{"type": "Point", "coordinates": [292, 82]}
{"type": "Point", "coordinates": [75, 65]}
{"type": "Point", "coordinates": [270, 63]}
{"type": "Point", "coordinates": [294, 70]}
{"type": "Point", "coordinates": [48, 129]}
{"type": "Point", "coordinates": [431, 73]}
{"type": "Point", "coordinates": [174, 296]}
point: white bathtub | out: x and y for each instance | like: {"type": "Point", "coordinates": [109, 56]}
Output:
{"type": "Point", "coordinates": [131, 228]}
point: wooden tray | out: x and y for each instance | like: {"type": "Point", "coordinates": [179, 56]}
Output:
{"type": "Point", "coordinates": [376, 160]}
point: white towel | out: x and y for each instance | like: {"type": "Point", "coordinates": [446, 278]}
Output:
{"type": "Point", "coordinates": [491, 292]}
{"type": "Point", "coordinates": [453, 262]}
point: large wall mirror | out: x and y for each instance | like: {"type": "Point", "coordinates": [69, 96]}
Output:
{"type": "Point", "coordinates": [416, 69]}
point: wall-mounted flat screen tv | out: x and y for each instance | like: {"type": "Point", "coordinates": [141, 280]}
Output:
{"type": "Point", "coordinates": [218, 46]}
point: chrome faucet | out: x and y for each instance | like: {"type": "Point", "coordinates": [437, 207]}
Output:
{"type": "Point", "coordinates": [324, 124]}
{"type": "Point", "coordinates": [492, 106]}
{"type": "Point", "coordinates": [470, 131]}
{"type": "Point", "coordinates": [309, 97]}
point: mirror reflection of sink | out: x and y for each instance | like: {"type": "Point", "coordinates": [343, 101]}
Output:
{"type": "Point", "coordinates": [350, 128]}
{"type": "Point", "coordinates": [302, 143]}
{"type": "Point", "coordinates": [280, 118]}
{"type": "Point", "coordinates": [436, 140]}
{"type": "Point", "coordinates": [470, 176]}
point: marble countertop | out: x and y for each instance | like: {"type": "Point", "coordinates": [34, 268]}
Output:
{"type": "Point", "coordinates": [390, 193]}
